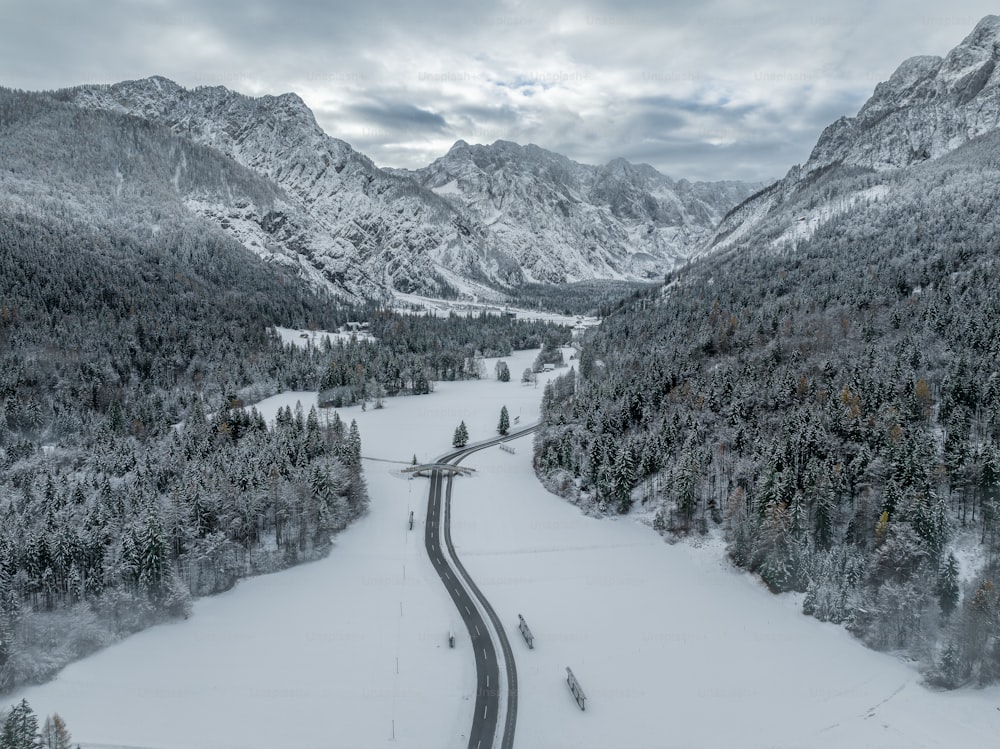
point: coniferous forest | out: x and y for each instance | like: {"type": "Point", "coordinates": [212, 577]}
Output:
{"type": "Point", "coordinates": [133, 476]}
{"type": "Point", "coordinates": [832, 407]}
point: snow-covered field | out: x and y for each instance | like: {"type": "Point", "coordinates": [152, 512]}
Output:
{"type": "Point", "coordinates": [445, 307]}
{"type": "Point", "coordinates": [672, 647]}
{"type": "Point", "coordinates": [303, 338]}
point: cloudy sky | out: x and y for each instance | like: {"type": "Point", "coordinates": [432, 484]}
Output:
{"type": "Point", "coordinates": [729, 89]}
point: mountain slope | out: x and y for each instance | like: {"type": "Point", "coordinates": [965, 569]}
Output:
{"type": "Point", "coordinates": [929, 107]}
{"type": "Point", "coordinates": [562, 221]}
{"type": "Point", "coordinates": [368, 229]}
{"type": "Point", "coordinates": [104, 168]}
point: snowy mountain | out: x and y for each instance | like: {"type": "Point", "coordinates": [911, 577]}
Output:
{"type": "Point", "coordinates": [497, 215]}
{"type": "Point", "coordinates": [562, 221]}
{"type": "Point", "coordinates": [362, 227]}
{"type": "Point", "coordinates": [928, 108]}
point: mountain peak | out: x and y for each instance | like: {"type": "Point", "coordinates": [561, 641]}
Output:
{"type": "Point", "coordinates": [500, 213]}
{"type": "Point", "coordinates": [929, 107]}
{"type": "Point", "coordinates": [987, 30]}
{"type": "Point", "coordinates": [914, 69]}
{"type": "Point", "coordinates": [161, 83]}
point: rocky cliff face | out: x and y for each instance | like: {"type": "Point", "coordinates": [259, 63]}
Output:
{"type": "Point", "coordinates": [561, 220]}
{"type": "Point", "coordinates": [928, 108]}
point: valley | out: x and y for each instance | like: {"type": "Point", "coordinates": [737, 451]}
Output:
{"type": "Point", "coordinates": [664, 638]}
{"type": "Point", "coordinates": [723, 456]}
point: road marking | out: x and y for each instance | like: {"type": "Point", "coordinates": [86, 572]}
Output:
{"type": "Point", "coordinates": [477, 629]}
{"type": "Point", "coordinates": [447, 576]}
{"type": "Point", "coordinates": [485, 708]}
{"type": "Point", "coordinates": [467, 610]}
{"type": "Point", "coordinates": [487, 679]}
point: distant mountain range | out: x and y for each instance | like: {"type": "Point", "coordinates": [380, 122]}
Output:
{"type": "Point", "coordinates": [480, 216]}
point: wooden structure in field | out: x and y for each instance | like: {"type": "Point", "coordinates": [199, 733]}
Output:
{"type": "Point", "coordinates": [525, 632]}
{"type": "Point", "coordinates": [576, 689]}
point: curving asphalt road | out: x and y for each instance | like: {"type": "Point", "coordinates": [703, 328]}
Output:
{"type": "Point", "coordinates": [486, 713]}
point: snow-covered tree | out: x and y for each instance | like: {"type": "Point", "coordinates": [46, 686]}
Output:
{"type": "Point", "coordinates": [20, 729]}
{"type": "Point", "coordinates": [504, 425]}
{"type": "Point", "coordinates": [461, 437]}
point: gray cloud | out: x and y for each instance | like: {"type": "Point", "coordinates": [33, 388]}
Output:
{"type": "Point", "coordinates": [400, 115]}
{"type": "Point", "coordinates": [724, 89]}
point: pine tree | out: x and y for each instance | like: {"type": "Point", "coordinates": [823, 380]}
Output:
{"type": "Point", "coordinates": [20, 730]}
{"type": "Point", "coordinates": [461, 438]}
{"type": "Point", "coordinates": [947, 588]}
{"type": "Point", "coordinates": [353, 444]}
{"type": "Point", "coordinates": [823, 513]}
{"type": "Point", "coordinates": [504, 426]}
{"type": "Point", "coordinates": [503, 371]}
{"type": "Point", "coordinates": [624, 478]}
{"type": "Point", "coordinates": [152, 552]}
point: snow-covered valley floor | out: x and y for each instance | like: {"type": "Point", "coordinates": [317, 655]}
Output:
{"type": "Point", "coordinates": [672, 647]}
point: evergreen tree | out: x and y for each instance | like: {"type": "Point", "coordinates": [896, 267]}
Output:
{"type": "Point", "coordinates": [152, 554]}
{"type": "Point", "coordinates": [20, 729]}
{"type": "Point", "coordinates": [504, 426]}
{"type": "Point", "coordinates": [461, 438]}
{"type": "Point", "coordinates": [353, 444]}
{"type": "Point", "coordinates": [947, 588]}
{"type": "Point", "coordinates": [624, 478]}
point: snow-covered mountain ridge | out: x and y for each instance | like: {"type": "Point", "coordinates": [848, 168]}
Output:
{"type": "Point", "coordinates": [500, 214]}
{"type": "Point", "coordinates": [621, 220]}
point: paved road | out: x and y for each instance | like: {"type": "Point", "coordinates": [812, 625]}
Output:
{"type": "Point", "coordinates": [486, 713]}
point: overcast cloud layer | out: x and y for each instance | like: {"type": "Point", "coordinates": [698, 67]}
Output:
{"type": "Point", "coordinates": [727, 90]}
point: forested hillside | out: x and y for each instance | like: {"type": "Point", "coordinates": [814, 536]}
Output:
{"type": "Point", "coordinates": [831, 404]}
